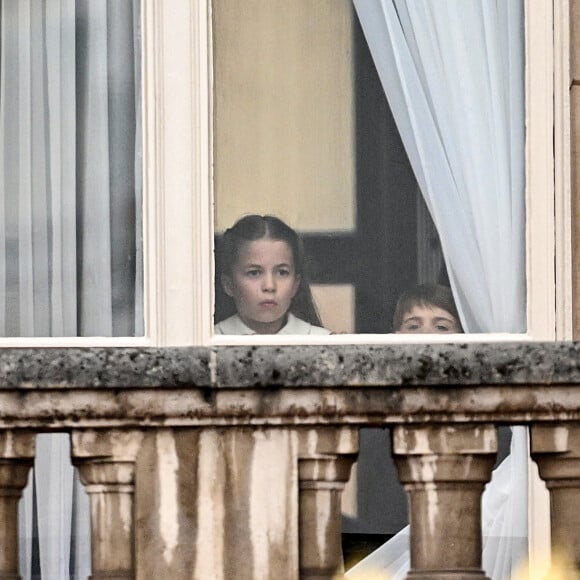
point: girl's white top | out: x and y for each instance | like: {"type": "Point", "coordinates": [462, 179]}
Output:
{"type": "Point", "coordinates": [294, 325]}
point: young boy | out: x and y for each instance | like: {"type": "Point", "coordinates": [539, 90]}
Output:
{"type": "Point", "coordinates": [426, 309]}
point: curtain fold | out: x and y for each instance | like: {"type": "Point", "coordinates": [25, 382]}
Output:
{"type": "Point", "coordinates": [53, 474]}
{"type": "Point", "coordinates": [453, 73]}
{"type": "Point", "coordinates": [25, 514]}
{"type": "Point", "coordinates": [70, 218]}
{"type": "Point", "coordinates": [106, 75]}
{"type": "Point", "coordinates": [38, 261]}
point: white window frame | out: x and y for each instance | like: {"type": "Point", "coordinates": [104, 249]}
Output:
{"type": "Point", "coordinates": [548, 223]}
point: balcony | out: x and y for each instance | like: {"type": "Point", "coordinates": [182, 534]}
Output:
{"type": "Point", "coordinates": [229, 462]}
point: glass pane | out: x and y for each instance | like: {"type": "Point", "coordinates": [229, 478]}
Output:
{"type": "Point", "coordinates": [70, 155]}
{"type": "Point", "coordinates": [391, 179]}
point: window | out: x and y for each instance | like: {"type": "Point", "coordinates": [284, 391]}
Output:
{"type": "Point", "coordinates": [302, 130]}
{"type": "Point", "coordinates": [249, 116]}
{"type": "Point", "coordinates": [178, 181]}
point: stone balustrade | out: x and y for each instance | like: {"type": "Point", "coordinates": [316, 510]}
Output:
{"type": "Point", "coordinates": [229, 462]}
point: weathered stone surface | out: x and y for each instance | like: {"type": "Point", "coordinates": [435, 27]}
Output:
{"type": "Point", "coordinates": [229, 424]}
{"type": "Point", "coordinates": [348, 365]}
{"type": "Point", "coordinates": [48, 389]}
{"type": "Point", "coordinates": [106, 462]}
{"type": "Point", "coordinates": [103, 367]}
{"type": "Point", "coordinates": [16, 457]}
{"type": "Point", "coordinates": [444, 470]}
{"type": "Point", "coordinates": [217, 503]}
{"type": "Point", "coordinates": [65, 409]}
{"type": "Point", "coordinates": [396, 364]}
{"type": "Point", "coordinates": [497, 363]}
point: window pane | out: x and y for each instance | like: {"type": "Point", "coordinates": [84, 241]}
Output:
{"type": "Point", "coordinates": [303, 131]}
{"type": "Point", "coordinates": [391, 141]}
{"type": "Point", "coordinates": [70, 225]}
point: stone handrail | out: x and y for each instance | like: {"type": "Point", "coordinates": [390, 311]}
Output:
{"type": "Point", "coordinates": [228, 462]}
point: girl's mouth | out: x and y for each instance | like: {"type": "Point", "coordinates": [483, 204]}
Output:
{"type": "Point", "coordinates": [268, 303]}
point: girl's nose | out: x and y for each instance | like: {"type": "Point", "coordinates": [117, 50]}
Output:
{"type": "Point", "coordinates": [269, 283]}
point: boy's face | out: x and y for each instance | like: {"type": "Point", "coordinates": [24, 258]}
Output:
{"type": "Point", "coordinates": [428, 319]}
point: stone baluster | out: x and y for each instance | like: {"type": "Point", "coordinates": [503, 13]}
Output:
{"type": "Point", "coordinates": [106, 462]}
{"type": "Point", "coordinates": [16, 459]}
{"type": "Point", "coordinates": [556, 450]}
{"type": "Point", "coordinates": [326, 457]}
{"type": "Point", "coordinates": [444, 470]}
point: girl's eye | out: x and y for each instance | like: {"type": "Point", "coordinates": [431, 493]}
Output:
{"type": "Point", "coordinates": [252, 273]}
{"type": "Point", "coordinates": [412, 326]}
{"type": "Point", "coordinates": [283, 272]}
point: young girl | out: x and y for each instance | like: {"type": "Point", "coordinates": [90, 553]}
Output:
{"type": "Point", "coordinates": [426, 309]}
{"type": "Point", "coordinates": [262, 273]}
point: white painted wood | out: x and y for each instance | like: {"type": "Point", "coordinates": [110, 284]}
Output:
{"type": "Point", "coordinates": [335, 339]}
{"type": "Point", "coordinates": [563, 171]}
{"type": "Point", "coordinates": [548, 204]}
{"type": "Point", "coordinates": [177, 160]}
{"type": "Point", "coordinates": [74, 341]}
{"type": "Point", "coordinates": [540, 169]}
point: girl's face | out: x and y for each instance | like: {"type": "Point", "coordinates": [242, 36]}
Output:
{"type": "Point", "coordinates": [423, 318]}
{"type": "Point", "coordinates": [263, 283]}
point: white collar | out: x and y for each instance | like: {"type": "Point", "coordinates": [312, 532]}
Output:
{"type": "Point", "coordinates": [235, 325]}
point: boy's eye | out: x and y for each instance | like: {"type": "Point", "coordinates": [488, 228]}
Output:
{"type": "Point", "coordinates": [442, 328]}
{"type": "Point", "coordinates": [412, 326]}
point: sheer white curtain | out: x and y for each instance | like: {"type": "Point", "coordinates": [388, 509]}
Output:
{"type": "Point", "coordinates": [453, 73]}
{"type": "Point", "coordinates": [70, 235]}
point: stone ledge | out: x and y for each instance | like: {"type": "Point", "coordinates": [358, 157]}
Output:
{"type": "Point", "coordinates": [51, 389]}
{"type": "Point", "coordinates": [386, 365]}
{"type": "Point", "coordinates": [54, 409]}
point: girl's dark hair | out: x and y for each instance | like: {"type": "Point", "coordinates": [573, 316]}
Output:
{"type": "Point", "coordinates": [425, 295]}
{"type": "Point", "coordinates": [258, 227]}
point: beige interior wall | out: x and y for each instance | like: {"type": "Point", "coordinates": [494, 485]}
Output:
{"type": "Point", "coordinates": [335, 303]}
{"type": "Point", "coordinates": [284, 120]}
